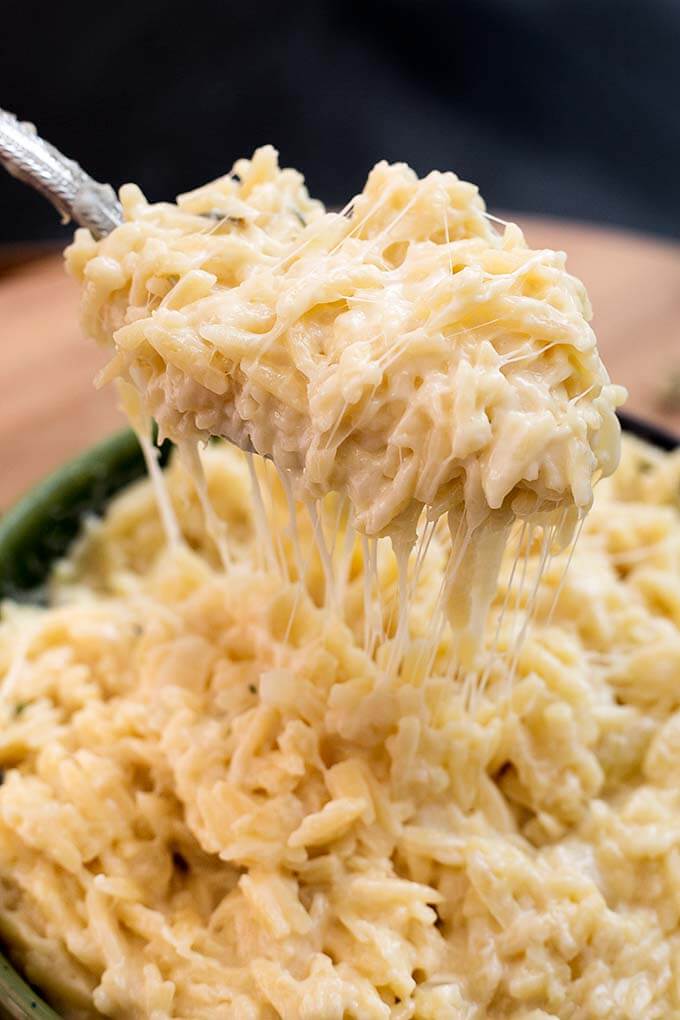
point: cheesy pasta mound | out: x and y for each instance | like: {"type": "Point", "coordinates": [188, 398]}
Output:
{"type": "Point", "coordinates": [404, 352]}
{"type": "Point", "coordinates": [216, 803]}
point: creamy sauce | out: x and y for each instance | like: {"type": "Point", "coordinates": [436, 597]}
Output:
{"type": "Point", "coordinates": [217, 804]}
{"type": "Point", "coordinates": [404, 353]}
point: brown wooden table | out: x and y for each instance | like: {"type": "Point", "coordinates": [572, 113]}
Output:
{"type": "Point", "coordinates": [49, 409]}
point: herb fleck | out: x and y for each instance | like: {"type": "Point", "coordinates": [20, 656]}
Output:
{"type": "Point", "coordinates": [219, 218]}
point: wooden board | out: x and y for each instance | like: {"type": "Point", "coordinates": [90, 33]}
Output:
{"type": "Point", "coordinates": [49, 409]}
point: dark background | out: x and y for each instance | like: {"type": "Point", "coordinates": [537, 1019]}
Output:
{"type": "Point", "coordinates": [567, 107]}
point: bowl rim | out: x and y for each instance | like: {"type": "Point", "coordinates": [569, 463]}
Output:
{"type": "Point", "coordinates": [105, 469]}
{"type": "Point", "coordinates": [38, 528]}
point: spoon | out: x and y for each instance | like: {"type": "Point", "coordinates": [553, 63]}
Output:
{"type": "Point", "coordinates": [75, 194]}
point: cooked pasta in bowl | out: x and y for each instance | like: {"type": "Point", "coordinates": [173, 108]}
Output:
{"type": "Point", "coordinates": [383, 723]}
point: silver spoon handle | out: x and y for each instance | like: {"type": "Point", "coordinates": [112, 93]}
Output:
{"type": "Point", "coordinates": [76, 195]}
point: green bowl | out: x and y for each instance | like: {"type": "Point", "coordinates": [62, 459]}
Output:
{"type": "Point", "coordinates": [33, 534]}
{"type": "Point", "coordinates": [40, 528]}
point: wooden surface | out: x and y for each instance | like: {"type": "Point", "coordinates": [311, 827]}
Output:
{"type": "Point", "coordinates": [49, 409]}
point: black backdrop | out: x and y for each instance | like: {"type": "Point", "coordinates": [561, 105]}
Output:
{"type": "Point", "coordinates": [567, 107]}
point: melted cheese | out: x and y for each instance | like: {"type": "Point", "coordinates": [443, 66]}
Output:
{"type": "Point", "coordinates": [403, 353]}
{"type": "Point", "coordinates": [217, 804]}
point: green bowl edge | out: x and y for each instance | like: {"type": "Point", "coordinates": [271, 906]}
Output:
{"type": "Point", "coordinates": [33, 534]}
{"type": "Point", "coordinates": [40, 527]}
